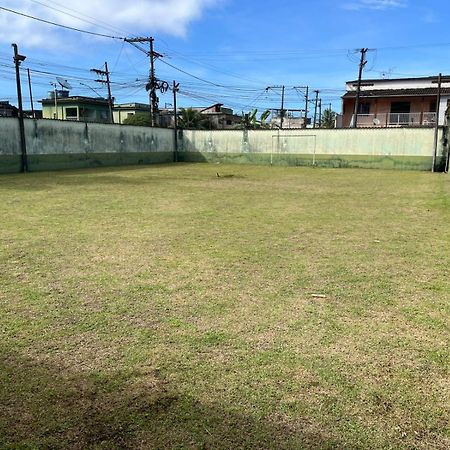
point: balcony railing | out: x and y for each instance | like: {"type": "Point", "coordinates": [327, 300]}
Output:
{"type": "Point", "coordinates": [396, 120]}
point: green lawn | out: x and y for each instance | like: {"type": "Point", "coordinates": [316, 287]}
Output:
{"type": "Point", "coordinates": [164, 307]}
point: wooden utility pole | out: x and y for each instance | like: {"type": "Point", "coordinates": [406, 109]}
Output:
{"type": "Point", "coordinates": [362, 64]}
{"type": "Point", "coordinates": [105, 73]}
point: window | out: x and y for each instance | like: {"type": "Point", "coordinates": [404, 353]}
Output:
{"type": "Point", "coordinates": [400, 107]}
{"type": "Point", "coordinates": [433, 107]}
{"type": "Point", "coordinates": [364, 108]}
{"type": "Point", "coordinates": [71, 113]}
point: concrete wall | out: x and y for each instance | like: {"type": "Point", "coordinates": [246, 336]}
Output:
{"type": "Point", "coordinates": [53, 144]}
{"type": "Point", "coordinates": [400, 148]}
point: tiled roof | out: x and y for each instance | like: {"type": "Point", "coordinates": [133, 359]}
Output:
{"type": "Point", "coordinates": [417, 92]}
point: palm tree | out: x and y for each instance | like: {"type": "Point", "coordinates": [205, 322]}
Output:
{"type": "Point", "coordinates": [193, 120]}
{"type": "Point", "coordinates": [328, 119]}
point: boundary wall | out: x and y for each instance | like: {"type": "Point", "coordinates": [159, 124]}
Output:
{"type": "Point", "coordinates": [383, 148]}
{"type": "Point", "coordinates": [53, 145]}
{"type": "Point", "coordinates": [57, 144]}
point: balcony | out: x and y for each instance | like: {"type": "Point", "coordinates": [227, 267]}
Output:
{"type": "Point", "coordinates": [426, 119]}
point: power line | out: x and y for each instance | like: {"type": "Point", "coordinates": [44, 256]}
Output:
{"type": "Point", "coordinates": [59, 25]}
{"type": "Point", "coordinates": [96, 23]}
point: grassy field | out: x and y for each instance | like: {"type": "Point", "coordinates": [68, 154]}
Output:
{"type": "Point", "coordinates": [166, 308]}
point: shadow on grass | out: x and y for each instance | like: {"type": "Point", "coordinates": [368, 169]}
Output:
{"type": "Point", "coordinates": [43, 407]}
{"type": "Point", "coordinates": [102, 176]}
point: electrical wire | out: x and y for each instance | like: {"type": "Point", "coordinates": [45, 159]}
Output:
{"type": "Point", "coordinates": [60, 25]}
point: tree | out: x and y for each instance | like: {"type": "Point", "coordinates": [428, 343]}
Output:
{"type": "Point", "coordinates": [328, 119]}
{"type": "Point", "coordinates": [139, 120]}
{"type": "Point", "coordinates": [191, 119]}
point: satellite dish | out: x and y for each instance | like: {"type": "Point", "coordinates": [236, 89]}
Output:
{"type": "Point", "coordinates": [64, 83]}
{"type": "Point", "coordinates": [376, 122]}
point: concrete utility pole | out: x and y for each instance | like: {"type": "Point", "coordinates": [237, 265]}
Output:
{"type": "Point", "coordinates": [305, 125]}
{"type": "Point", "coordinates": [23, 145]}
{"type": "Point", "coordinates": [362, 64]}
{"type": "Point", "coordinates": [175, 89]}
{"type": "Point", "coordinates": [152, 79]}
{"type": "Point", "coordinates": [436, 128]}
{"type": "Point", "coordinates": [105, 73]}
{"type": "Point", "coordinates": [282, 111]}
{"type": "Point", "coordinates": [320, 113]}
{"type": "Point", "coordinates": [306, 94]}
{"type": "Point", "coordinates": [31, 94]}
{"type": "Point", "coordinates": [153, 85]}
{"type": "Point", "coordinates": [315, 108]}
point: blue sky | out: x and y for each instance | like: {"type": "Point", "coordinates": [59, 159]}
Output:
{"type": "Point", "coordinates": [235, 49]}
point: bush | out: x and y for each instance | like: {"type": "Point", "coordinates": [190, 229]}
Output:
{"type": "Point", "coordinates": [139, 120]}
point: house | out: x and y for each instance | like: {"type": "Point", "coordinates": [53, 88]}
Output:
{"type": "Point", "coordinates": [32, 114]}
{"type": "Point", "coordinates": [400, 102]}
{"type": "Point", "coordinates": [8, 110]}
{"type": "Point", "coordinates": [76, 108]}
{"type": "Point", "coordinates": [293, 118]}
{"type": "Point", "coordinates": [125, 110]}
{"type": "Point", "coordinates": [220, 118]}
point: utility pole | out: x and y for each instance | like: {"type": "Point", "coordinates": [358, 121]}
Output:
{"type": "Point", "coordinates": [282, 102]}
{"type": "Point", "coordinates": [315, 107]}
{"type": "Point", "coordinates": [105, 73]}
{"type": "Point", "coordinates": [320, 113]}
{"type": "Point", "coordinates": [362, 64]}
{"type": "Point", "coordinates": [31, 93]}
{"type": "Point", "coordinates": [305, 125]}
{"type": "Point", "coordinates": [436, 128]}
{"type": "Point", "coordinates": [55, 92]}
{"type": "Point", "coordinates": [153, 83]}
{"type": "Point", "coordinates": [23, 145]}
{"type": "Point", "coordinates": [306, 94]}
{"type": "Point", "coordinates": [175, 89]}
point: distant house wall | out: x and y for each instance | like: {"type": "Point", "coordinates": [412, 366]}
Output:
{"type": "Point", "coordinates": [121, 112]}
{"type": "Point", "coordinates": [382, 107]}
{"type": "Point", "coordinates": [380, 93]}
{"type": "Point", "coordinates": [74, 109]}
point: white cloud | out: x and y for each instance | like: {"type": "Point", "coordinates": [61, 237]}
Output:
{"type": "Point", "coordinates": [375, 4]}
{"type": "Point", "coordinates": [124, 17]}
